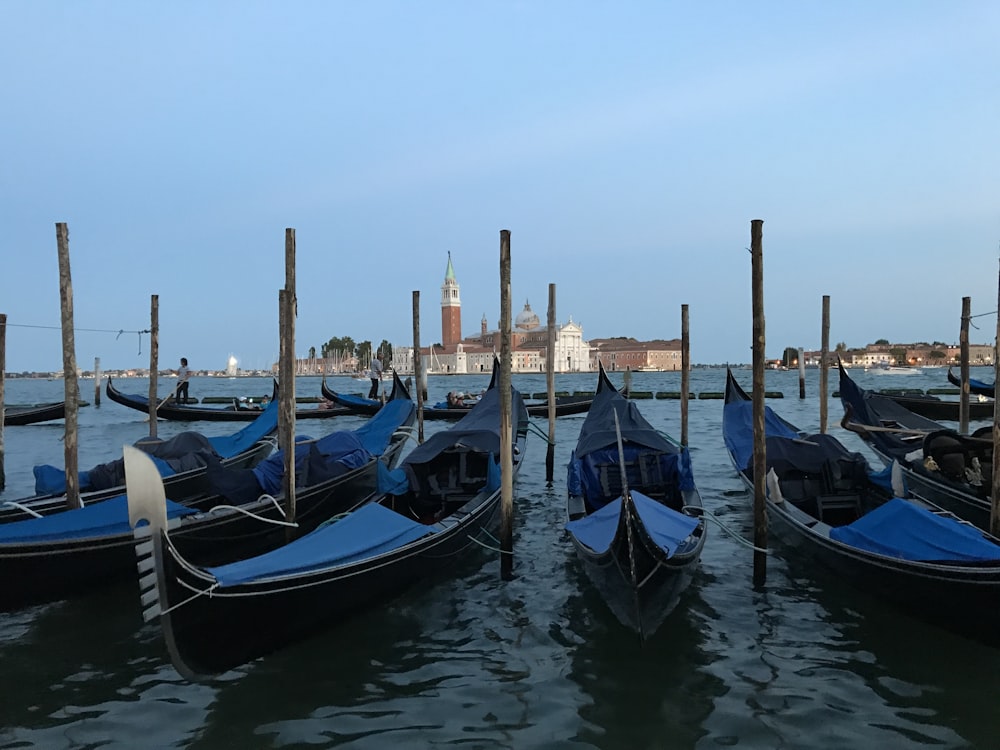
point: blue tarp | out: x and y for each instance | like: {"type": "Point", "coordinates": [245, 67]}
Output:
{"type": "Point", "coordinates": [376, 433]}
{"type": "Point", "coordinates": [228, 446]}
{"type": "Point", "coordinates": [737, 430]}
{"type": "Point", "coordinates": [51, 480]}
{"type": "Point", "coordinates": [904, 530]}
{"type": "Point", "coordinates": [103, 519]}
{"type": "Point", "coordinates": [667, 527]}
{"type": "Point", "coordinates": [338, 447]}
{"type": "Point", "coordinates": [369, 531]}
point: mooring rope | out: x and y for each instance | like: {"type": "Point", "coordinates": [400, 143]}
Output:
{"type": "Point", "coordinates": [117, 333]}
{"type": "Point", "coordinates": [24, 508]}
{"type": "Point", "coordinates": [712, 517]}
{"type": "Point", "coordinates": [245, 512]}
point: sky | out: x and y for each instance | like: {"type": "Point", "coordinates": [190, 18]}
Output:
{"type": "Point", "coordinates": [626, 146]}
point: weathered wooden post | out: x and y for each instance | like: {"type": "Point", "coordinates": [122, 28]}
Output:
{"type": "Point", "coordinates": [824, 365]}
{"type": "Point", "coordinates": [963, 344]}
{"type": "Point", "coordinates": [418, 366]}
{"type": "Point", "coordinates": [802, 373]}
{"type": "Point", "coordinates": [70, 386]}
{"type": "Point", "coordinates": [627, 381]}
{"type": "Point", "coordinates": [97, 381]}
{"type": "Point", "coordinates": [154, 357]}
{"type": "Point", "coordinates": [286, 402]}
{"type": "Point", "coordinates": [287, 307]}
{"type": "Point", "coordinates": [550, 382]}
{"type": "Point", "coordinates": [995, 496]}
{"type": "Point", "coordinates": [685, 373]}
{"type": "Point", "coordinates": [759, 454]}
{"type": "Point", "coordinates": [3, 370]}
{"type": "Point", "coordinates": [506, 430]}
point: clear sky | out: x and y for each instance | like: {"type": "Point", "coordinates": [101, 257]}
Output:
{"type": "Point", "coordinates": [626, 145]}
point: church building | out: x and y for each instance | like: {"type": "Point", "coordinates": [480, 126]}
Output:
{"type": "Point", "coordinates": [460, 355]}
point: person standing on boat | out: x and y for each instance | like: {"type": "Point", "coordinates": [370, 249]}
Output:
{"type": "Point", "coordinates": [376, 376]}
{"type": "Point", "coordinates": [183, 375]}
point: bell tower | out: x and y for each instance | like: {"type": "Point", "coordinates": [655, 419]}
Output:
{"type": "Point", "coordinates": [451, 308]}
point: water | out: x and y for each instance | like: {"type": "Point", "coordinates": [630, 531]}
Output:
{"type": "Point", "coordinates": [538, 662]}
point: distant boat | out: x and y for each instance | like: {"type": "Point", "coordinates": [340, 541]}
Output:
{"type": "Point", "coordinates": [978, 387]}
{"type": "Point", "coordinates": [894, 370]}
{"type": "Point", "coordinates": [33, 413]}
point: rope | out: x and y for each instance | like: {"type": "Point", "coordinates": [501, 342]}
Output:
{"type": "Point", "coordinates": [238, 509]}
{"type": "Point", "coordinates": [117, 333]}
{"type": "Point", "coordinates": [254, 515]}
{"type": "Point", "coordinates": [980, 315]}
{"type": "Point", "coordinates": [669, 438]}
{"type": "Point", "coordinates": [540, 432]}
{"type": "Point", "coordinates": [486, 546]}
{"type": "Point", "coordinates": [712, 517]}
{"type": "Point", "coordinates": [19, 506]}
{"type": "Point", "coordinates": [198, 592]}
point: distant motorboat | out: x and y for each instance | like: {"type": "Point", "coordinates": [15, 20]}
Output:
{"type": "Point", "coordinates": [894, 370]}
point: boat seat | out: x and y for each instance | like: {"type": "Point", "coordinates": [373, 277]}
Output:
{"type": "Point", "coordinates": [838, 510]}
{"type": "Point", "coordinates": [645, 472]}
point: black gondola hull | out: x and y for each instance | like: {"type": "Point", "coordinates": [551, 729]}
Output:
{"type": "Point", "coordinates": [201, 637]}
{"type": "Point", "coordinates": [186, 413]}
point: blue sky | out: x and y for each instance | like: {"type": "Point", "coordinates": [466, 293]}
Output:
{"type": "Point", "coordinates": [627, 146]}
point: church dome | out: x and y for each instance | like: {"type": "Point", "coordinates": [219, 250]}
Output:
{"type": "Point", "coordinates": [526, 319]}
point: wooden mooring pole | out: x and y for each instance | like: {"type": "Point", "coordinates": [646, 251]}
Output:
{"type": "Point", "coordinates": [995, 494]}
{"type": "Point", "coordinates": [3, 370]}
{"type": "Point", "coordinates": [759, 451]}
{"type": "Point", "coordinates": [97, 381]}
{"type": "Point", "coordinates": [802, 373]}
{"type": "Point", "coordinates": [70, 385]}
{"type": "Point", "coordinates": [824, 364]}
{"type": "Point", "coordinates": [506, 430]}
{"type": "Point", "coordinates": [685, 373]}
{"type": "Point", "coordinates": [550, 382]}
{"type": "Point", "coordinates": [418, 367]}
{"type": "Point", "coordinates": [287, 307]}
{"type": "Point", "coordinates": [154, 358]}
{"type": "Point", "coordinates": [963, 348]}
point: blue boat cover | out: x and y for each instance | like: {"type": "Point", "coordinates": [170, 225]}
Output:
{"type": "Point", "coordinates": [341, 447]}
{"type": "Point", "coordinates": [369, 531]}
{"type": "Point", "coordinates": [649, 456]}
{"type": "Point", "coordinates": [104, 519]}
{"type": "Point", "coordinates": [666, 526]}
{"type": "Point", "coordinates": [906, 531]}
{"type": "Point", "coordinates": [265, 424]}
{"type": "Point", "coordinates": [183, 452]}
{"type": "Point", "coordinates": [479, 430]}
{"type": "Point", "coordinates": [377, 432]}
{"type": "Point", "coordinates": [737, 430]}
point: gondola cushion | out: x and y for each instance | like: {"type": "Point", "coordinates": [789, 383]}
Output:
{"type": "Point", "coordinates": [901, 529]}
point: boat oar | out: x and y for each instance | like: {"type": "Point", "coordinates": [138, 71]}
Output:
{"type": "Point", "coordinates": [627, 510]}
{"type": "Point", "coordinates": [864, 429]}
{"type": "Point", "coordinates": [167, 397]}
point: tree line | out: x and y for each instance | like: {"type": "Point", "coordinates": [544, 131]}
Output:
{"type": "Point", "coordinates": [345, 346]}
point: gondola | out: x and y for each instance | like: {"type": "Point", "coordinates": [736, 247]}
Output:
{"type": "Point", "coordinates": [442, 503]}
{"type": "Point", "coordinates": [941, 466]}
{"type": "Point", "coordinates": [976, 387]}
{"type": "Point", "coordinates": [936, 408]}
{"type": "Point", "coordinates": [634, 513]}
{"type": "Point", "coordinates": [188, 413]}
{"type": "Point", "coordinates": [827, 503]}
{"type": "Point", "coordinates": [75, 551]}
{"type": "Point", "coordinates": [565, 405]}
{"type": "Point", "coordinates": [33, 413]}
{"type": "Point", "coordinates": [183, 460]}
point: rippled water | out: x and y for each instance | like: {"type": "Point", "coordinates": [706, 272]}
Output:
{"type": "Point", "coordinates": [537, 662]}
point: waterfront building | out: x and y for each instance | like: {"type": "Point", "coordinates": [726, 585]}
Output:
{"type": "Point", "coordinates": [624, 353]}
{"type": "Point", "coordinates": [459, 355]}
